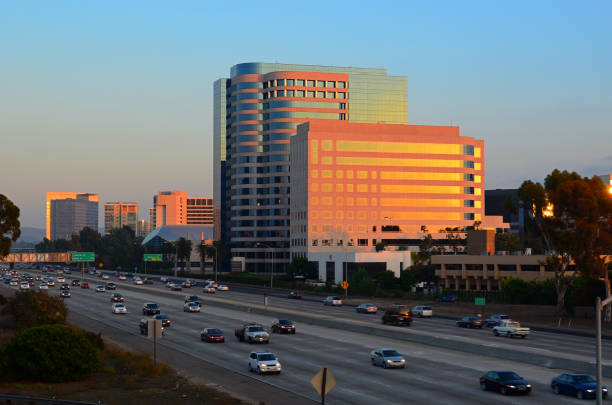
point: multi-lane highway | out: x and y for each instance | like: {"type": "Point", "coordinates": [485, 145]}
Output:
{"type": "Point", "coordinates": [432, 375]}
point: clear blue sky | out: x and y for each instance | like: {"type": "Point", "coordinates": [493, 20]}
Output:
{"type": "Point", "coordinates": [114, 97]}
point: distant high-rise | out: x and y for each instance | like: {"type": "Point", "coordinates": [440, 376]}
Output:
{"type": "Point", "coordinates": [53, 195]}
{"type": "Point", "coordinates": [176, 208]}
{"type": "Point", "coordinates": [120, 214]}
{"type": "Point", "coordinates": [256, 111]}
{"type": "Point", "coordinates": [68, 216]}
{"type": "Point", "coordinates": [144, 227]}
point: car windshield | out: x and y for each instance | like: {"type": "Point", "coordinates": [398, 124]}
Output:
{"type": "Point", "coordinates": [508, 375]}
{"type": "Point", "coordinates": [582, 379]}
{"type": "Point", "coordinates": [256, 329]}
{"type": "Point", "coordinates": [152, 306]}
{"type": "Point", "coordinates": [266, 357]}
{"type": "Point", "coordinates": [119, 306]}
{"type": "Point", "coordinates": [504, 317]}
{"type": "Point", "coordinates": [284, 322]}
{"type": "Point", "coordinates": [192, 304]}
{"type": "Point", "coordinates": [214, 332]}
{"type": "Point", "coordinates": [427, 308]}
{"type": "Point", "coordinates": [162, 317]}
{"type": "Point", "coordinates": [390, 353]}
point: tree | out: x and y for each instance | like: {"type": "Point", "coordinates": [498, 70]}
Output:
{"type": "Point", "coordinates": [300, 266]}
{"type": "Point", "coordinates": [9, 225]}
{"type": "Point", "coordinates": [31, 309]}
{"type": "Point", "coordinates": [386, 279]}
{"type": "Point", "coordinates": [380, 246]}
{"type": "Point", "coordinates": [361, 283]}
{"type": "Point", "coordinates": [573, 217]}
{"type": "Point", "coordinates": [184, 248]}
{"type": "Point", "coordinates": [506, 241]}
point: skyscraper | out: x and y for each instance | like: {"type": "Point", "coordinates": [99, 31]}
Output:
{"type": "Point", "coordinates": [120, 214]}
{"type": "Point", "coordinates": [256, 111]}
{"type": "Point", "coordinates": [53, 195]}
{"type": "Point", "coordinates": [176, 208]}
{"type": "Point", "coordinates": [68, 216]}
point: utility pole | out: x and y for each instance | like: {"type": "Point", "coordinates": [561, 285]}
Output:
{"type": "Point", "coordinates": [599, 306]}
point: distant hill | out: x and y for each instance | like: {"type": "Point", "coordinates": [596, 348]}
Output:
{"type": "Point", "coordinates": [31, 235]}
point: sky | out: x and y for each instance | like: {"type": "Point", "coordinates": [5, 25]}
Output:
{"type": "Point", "coordinates": [115, 97]}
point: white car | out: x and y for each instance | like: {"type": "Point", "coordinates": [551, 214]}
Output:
{"type": "Point", "coordinates": [50, 282]}
{"type": "Point", "coordinates": [43, 286]}
{"type": "Point", "coordinates": [119, 308]}
{"type": "Point", "coordinates": [223, 287]}
{"type": "Point", "coordinates": [105, 277]}
{"type": "Point", "coordinates": [13, 283]}
{"type": "Point", "coordinates": [264, 362]}
{"type": "Point", "coordinates": [511, 328]}
{"type": "Point", "coordinates": [332, 300]}
{"type": "Point", "coordinates": [209, 289]}
{"type": "Point", "coordinates": [191, 307]}
{"type": "Point", "coordinates": [100, 288]}
{"type": "Point", "coordinates": [122, 277]}
{"type": "Point", "coordinates": [387, 358]}
{"type": "Point", "coordinates": [163, 279]}
{"type": "Point", "coordinates": [138, 281]}
{"type": "Point", "coordinates": [61, 280]}
{"type": "Point", "coordinates": [422, 311]}
{"type": "Point", "coordinates": [24, 285]}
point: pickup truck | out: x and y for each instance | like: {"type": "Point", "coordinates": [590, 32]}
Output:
{"type": "Point", "coordinates": [252, 333]}
{"type": "Point", "coordinates": [510, 328]}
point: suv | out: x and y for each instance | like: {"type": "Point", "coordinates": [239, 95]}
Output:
{"type": "Point", "coordinates": [264, 362]}
{"type": "Point", "coordinates": [397, 315]}
{"type": "Point", "coordinates": [150, 308]}
{"type": "Point", "coordinates": [422, 311]}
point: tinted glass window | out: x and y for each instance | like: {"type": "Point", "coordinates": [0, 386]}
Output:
{"type": "Point", "coordinates": [390, 353]}
{"type": "Point", "coordinates": [508, 375]}
{"type": "Point", "coordinates": [266, 357]}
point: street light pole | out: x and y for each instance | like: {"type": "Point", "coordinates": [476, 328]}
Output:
{"type": "Point", "coordinates": [272, 258]}
{"type": "Point", "coordinates": [599, 306]}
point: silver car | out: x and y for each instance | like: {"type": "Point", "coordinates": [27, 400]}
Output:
{"type": "Point", "coordinates": [191, 307]}
{"type": "Point", "coordinates": [387, 358]}
{"type": "Point", "coordinates": [264, 362]}
{"type": "Point", "coordinates": [422, 311]}
{"type": "Point", "coordinates": [119, 308]}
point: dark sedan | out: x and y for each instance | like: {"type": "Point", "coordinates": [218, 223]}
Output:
{"type": "Point", "coordinates": [470, 322]}
{"type": "Point", "coordinates": [150, 308]}
{"type": "Point", "coordinates": [111, 286]}
{"type": "Point", "coordinates": [579, 385]}
{"type": "Point", "coordinates": [211, 335]}
{"type": "Point", "coordinates": [117, 298]}
{"type": "Point", "coordinates": [165, 321]}
{"type": "Point", "coordinates": [505, 382]}
{"type": "Point", "coordinates": [448, 298]}
{"type": "Point", "coordinates": [65, 293]}
{"type": "Point", "coordinates": [283, 326]}
{"type": "Point", "coordinates": [494, 320]}
{"type": "Point", "coordinates": [294, 295]}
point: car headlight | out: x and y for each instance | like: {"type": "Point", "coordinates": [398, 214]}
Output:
{"type": "Point", "coordinates": [528, 385]}
{"type": "Point", "coordinates": [389, 361]}
{"type": "Point", "coordinates": [590, 390]}
{"type": "Point", "coordinates": [403, 360]}
{"type": "Point", "coordinates": [277, 364]}
{"type": "Point", "coordinates": [510, 386]}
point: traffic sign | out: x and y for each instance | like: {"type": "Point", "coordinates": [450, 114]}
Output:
{"type": "Point", "coordinates": [323, 381]}
{"type": "Point", "coordinates": [83, 256]}
{"type": "Point", "coordinates": [154, 328]}
{"type": "Point", "coordinates": [152, 257]}
{"type": "Point", "coordinates": [344, 285]}
{"type": "Point", "coordinates": [479, 301]}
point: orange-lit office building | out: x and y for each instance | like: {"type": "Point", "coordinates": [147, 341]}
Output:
{"type": "Point", "coordinates": [119, 214]}
{"type": "Point", "coordinates": [177, 208]}
{"type": "Point", "coordinates": [53, 218]}
{"type": "Point", "coordinates": [354, 185]}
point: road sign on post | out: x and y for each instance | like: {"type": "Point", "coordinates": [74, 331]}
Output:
{"type": "Point", "coordinates": [83, 256]}
{"type": "Point", "coordinates": [479, 301]}
{"type": "Point", "coordinates": [152, 257]}
{"type": "Point", "coordinates": [154, 330]}
{"type": "Point", "coordinates": [344, 285]}
{"type": "Point", "coordinates": [323, 382]}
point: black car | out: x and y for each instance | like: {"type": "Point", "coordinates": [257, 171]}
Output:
{"type": "Point", "coordinates": [283, 326]}
{"type": "Point", "coordinates": [494, 320]}
{"type": "Point", "coordinates": [470, 322]}
{"type": "Point", "coordinates": [150, 308]}
{"type": "Point", "coordinates": [116, 297]}
{"type": "Point", "coordinates": [65, 286]}
{"type": "Point", "coordinates": [76, 283]}
{"type": "Point", "coordinates": [192, 298]}
{"type": "Point", "coordinates": [65, 293]}
{"type": "Point", "coordinates": [505, 382]}
{"type": "Point", "coordinates": [111, 286]}
{"type": "Point", "coordinates": [397, 315]}
{"type": "Point", "coordinates": [294, 295]}
{"type": "Point", "coordinates": [165, 321]}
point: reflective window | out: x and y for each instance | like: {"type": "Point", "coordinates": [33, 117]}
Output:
{"type": "Point", "coordinates": [376, 161]}
{"type": "Point", "coordinates": [301, 83]}
{"type": "Point", "coordinates": [331, 84]}
{"type": "Point", "coordinates": [280, 93]}
{"type": "Point", "coordinates": [311, 83]}
{"type": "Point", "coordinates": [311, 94]}
{"type": "Point", "coordinates": [341, 85]}
{"type": "Point", "coordinates": [320, 94]}
{"type": "Point", "coordinates": [331, 94]}
{"type": "Point", "coordinates": [420, 189]}
{"type": "Point", "coordinates": [280, 82]}
{"type": "Point", "coordinates": [341, 95]}
{"type": "Point", "coordinates": [399, 147]}
{"type": "Point", "coordinates": [419, 202]}
{"type": "Point", "coordinates": [290, 82]}
{"type": "Point", "coordinates": [290, 93]}
{"type": "Point", "coordinates": [321, 83]}
{"type": "Point", "coordinates": [301, 93]}
{"type": "Point", "coordinates": [434, 176]}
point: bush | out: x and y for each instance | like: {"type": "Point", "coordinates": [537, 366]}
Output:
{"type": "Point", "coordinates": [50, 353]}
{"type": "Point", "coordinates": [361, 283]}
{"type": "Point", "coordinates": [31, 309]}
{"type": "Point", "coordinates": [386, 280]}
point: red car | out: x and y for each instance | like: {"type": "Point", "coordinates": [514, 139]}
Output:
{"type": "Point", "coordinates": [212, 335]}
{"type": "Point", "coordinates": [85, 285]}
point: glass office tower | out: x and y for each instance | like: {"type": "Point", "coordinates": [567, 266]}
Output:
{"type": "Point", "coordinates": [256, 111]}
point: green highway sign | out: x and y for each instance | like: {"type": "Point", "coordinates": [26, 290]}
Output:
{"type": "Point", "coordinates": [83, 256]}
{"type": "Point", "coordinates": [479, 301]}
{"type": "Point", "coordinates": [153, 258]}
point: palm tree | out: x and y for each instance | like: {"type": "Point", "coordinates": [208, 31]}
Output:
{"type": "Point", "coordinates": [183, 247]}
{"type": "Point", "coordinates": [204, 251]}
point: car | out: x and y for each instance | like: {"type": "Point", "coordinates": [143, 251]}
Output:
{"type": "Point", "coordinates": [148, 280]}
{"type": "Point", "coordinates": [38, 277]}
{"type": "Point", "coordinates": [367, 308]}
{"type": "Point", "coordinates": [138, 281]}
{"type": "Point", "coordinates": [213, 284]}
{"type": "Point", "coordinates": [31, 284]}
{"type": "Point", "coordinates": [211, 335]}
{"type": "Point", "coordinates": [61, 280]}
{"type": "Point", "coordinates": [50, 282]}
{"type": "Point", "coordinates": [143, 325]}
{"type": "Point", "coordinates": [505, 382]}
{"type": "Point", "coordinates": [105, 276]}
{"type": "Point", "coordinates": [252, 333]}
{"type": "Point", "coordinates": [448, 298]}
{"type": "Point", "coordinates": [295, 295]}
{"type": "Point", "coordinates": [511, 328]}
{"type": "Point", "coordinates": [581, 386]}
{"type": "Point", "coordinates": [111, 286]}
{"type": "Point", "coordinates": [223, 287]}
{"type": "Point", "coordinates": [65, 286]}
{"type": "Point", "coordinates": [191, 306]}
{"type": "Point", "coordinates": [397, 315]}
{"type": "Point", "coordinates": [116, 297]}
{"type": "Point", "coordinates": [470, 322]}
{"type": "Point", "coordinates": [100, 288]}
{"type": "Point", "coordinates": [387, 358]}
{"type": "Point", "coordinates": [43, 286]}
{"type": "Point", "coordinates": [333, 301]}
{"type": "Point", "coordinates": [209, 289]}
{"type": "Point", "coordinates": [65, 293]}
{"type": "Point", "coordinates": [122, 277]}
{"type": "Point", "coordinates": [283, 326]}
{"type": "Point", "coordinates": [192, 298]}
{"type": "Point", "coordinates": [85, 285]}
{"type": "Point", "coordinates": [169, 284]}
{"type": "Point", "coordinates": [176, 287]}
{"type": "Point", "coordinates": [494, 320]}
{"type": "Point", "coordinates": [264, 362]}
{"type": "Point", "coordinates": [185, 284]}
{"type": "Point", "coordinates": [165, 320]}
{"type": "Point", "coordinates": [76, 283]}
{"type": "Point", "coordinates": [422, 311]}
{"type": "Point", "coordinates": [163, 279]}
{"type": "Point", "coordinates": [119, 308]}
{"type": "Point", "coordinates": [14, 283]}
{"type": "Point", "coordinates": [150, 308]}
{"type": "Point", "coordinates": [24, 285]}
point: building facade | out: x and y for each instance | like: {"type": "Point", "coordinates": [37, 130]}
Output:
{"type": "Point", "coordinates": [144, 228]}
{"type": "Point", "coordinates": [257, 110]}
{"type": "Point", "coordinates": [356, 185]}
{"type": "Point", "coordinates": [176, 208]}
{"type": "Point", "coordinates": [120, 214]}
{"type": "Point", "coordinates": [70, 215]}
{"type": "Point", "coordinates": [59, 195]}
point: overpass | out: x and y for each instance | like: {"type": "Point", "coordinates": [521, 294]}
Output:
{"type": "Point", "coordinates": [33, 257]}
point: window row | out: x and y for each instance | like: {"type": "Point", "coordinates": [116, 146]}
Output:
{"type": "Point", "coordinates": [302, 93]}
{"type": "Point", "coordinates": [305, 83]}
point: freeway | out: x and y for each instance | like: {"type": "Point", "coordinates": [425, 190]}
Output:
{"type": "Point", "coordinates": [432, 374]}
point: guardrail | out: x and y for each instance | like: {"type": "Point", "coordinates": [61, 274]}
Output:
{"type": "Point", "coordinates": [18, 399]}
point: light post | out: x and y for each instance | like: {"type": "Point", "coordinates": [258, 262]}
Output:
{"type": "Point", "coordinates": [216, 260]}
{"type": "Point", "coordinates": [599, 306]}
{"type": "Point", "coordinates": [272, 257]}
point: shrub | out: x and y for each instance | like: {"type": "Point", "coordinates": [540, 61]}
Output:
{"type": "Point", "coordinates": [50, 353]}
{"type": "Point", "coordinates": [31, 309]}
{"type": "Point", "coordinates": [386, 279]}
{"type": "Point", "coordinates": [361, 283]}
